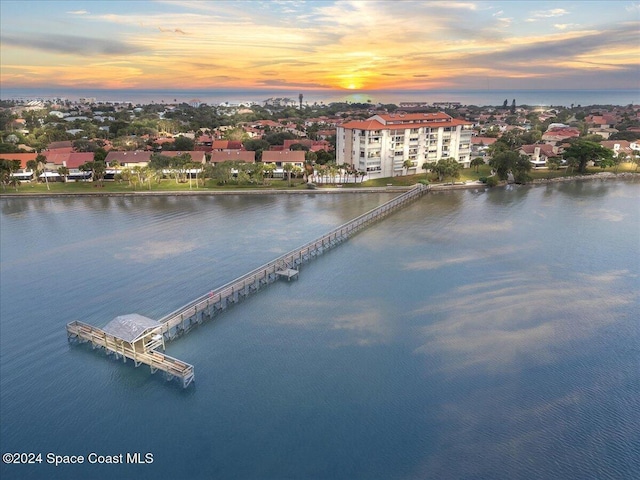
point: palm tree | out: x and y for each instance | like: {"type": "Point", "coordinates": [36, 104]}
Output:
{"type": "Point", "coordinates": [269, 168]}
{"type": "Point", "coordinates": [257, 172]}
{"type": "Point", "coordinates": [297, 171]}
{"type": "Point", "coordinates": [42, 160]}
{"type": "Point", "coordinates": [125, 175]}
{"type": "Point", "coordinates": [33, 166]}
{"type": "Point", "coordinates": [63, 172]}
{"type": "Point", "coordinates": [477, 162]}
{"type": "Point", "coordinates": [320, 171]}
{"type": "Point", "coordinates": [7, 169]}
{"type": "Point", "coordinates": [332, 170]}
{"type": "Point", "coordinates": [288, 167]}
{"type": "Point", "coordinates": [407, 165]}
{"type": "Point", "coordinates": [428, 166]}
{"type": "Point", "coordinates": [13, 182]}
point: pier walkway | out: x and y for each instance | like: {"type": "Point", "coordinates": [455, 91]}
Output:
{"type": "Point", "coordinates": [217, 300]}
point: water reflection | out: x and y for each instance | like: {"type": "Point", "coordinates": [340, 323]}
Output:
{"type": "Point", "coordinates": [522, 318]}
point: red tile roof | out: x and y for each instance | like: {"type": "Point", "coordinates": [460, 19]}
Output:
{"type": "Point", "coordinates": [59, 150]}
{"type": "Point", "coordinates": [483, 140]}
{"type": "Point", "coordinates": [413, 117]}
{"type": "Point", "coordinates": [364, 125]}
{"type": "Point", "coordinates": [23, 157]}
{"type": "Point", "coordinates": [69, 160]}
{"type": "Point", "coordinates": [196, 156]}
{"type": "Point", "coordinates": [237, 156]}
{"type": "Point", "coordinates": [62, 144]}
{"type": "Point", "coordinates": [545, 149]}
{"type": "Point", "coordinates": [375, 125]}
{"type": "Point", "coordinates": [303, 141]}
{"type": "Point", "coordinates": [137, 156]}
{"type": "Point", "coordinates": [293, 156]}
{"type": "Point", "coordinates": [220, 144]}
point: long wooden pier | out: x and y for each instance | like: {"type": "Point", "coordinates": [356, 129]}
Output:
{"type": "Point", "coordinates": [207, 306]}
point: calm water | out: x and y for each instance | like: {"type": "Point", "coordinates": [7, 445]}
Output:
{"type": "Point", "coordinates": [472, 335]}
{"type": "Point", "coordinates": [467, 97]}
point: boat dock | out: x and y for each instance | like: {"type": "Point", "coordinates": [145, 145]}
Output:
{"type": "Point", "coordinates": [138, 338]}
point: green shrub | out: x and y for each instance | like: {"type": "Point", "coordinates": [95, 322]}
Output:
{"type": "Point", "coordinates": [522, 178]}
{"type": "Point", "coordinates": [492, 181]}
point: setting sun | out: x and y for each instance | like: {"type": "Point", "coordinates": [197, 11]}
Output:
{"type": "Point", "coordinates": [329, 45]}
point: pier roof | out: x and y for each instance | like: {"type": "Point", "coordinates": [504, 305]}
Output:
{"type": "Point", "coordinates": [130, 327]}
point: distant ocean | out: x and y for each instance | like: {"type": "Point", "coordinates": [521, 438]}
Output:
{"type": "Point", "coordinates": [214, 97]}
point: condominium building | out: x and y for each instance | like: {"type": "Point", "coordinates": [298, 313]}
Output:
{"type": "Point", "coordinates": [382, 144]}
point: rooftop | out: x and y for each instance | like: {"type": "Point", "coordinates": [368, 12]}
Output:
{"type": "Point", "coordinates": [130, 327]}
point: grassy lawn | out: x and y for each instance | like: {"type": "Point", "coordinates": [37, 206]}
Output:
{"type": "Point", "coordinates": [167, 185]}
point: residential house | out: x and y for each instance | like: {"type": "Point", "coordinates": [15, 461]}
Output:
{"type": "Point", "coordinates": [603, 121]}
{"type": "Point", "coordinates": [279, 159]}
{"type": "Point", "coordinates": [65, 144]}
{"type": "Point", "coordinates": [204, 143]}
{"type": "Point", "coordinates": [71, 160]}
{"type": "Point", "coordinates": [253, 132]}
{"type": "Point", "coordinates": [539, 153]}
{"type": "Point", "coordinates": [479, 145]}
{"type": "Point", "coordinates": [604, 132]}
{"type": "Point", "coordinates": [23, 173]}
{"type": "Point", "coordinates": [558, 132]}
{"type": "Point", "coordinates": [136, 158]}
{"type": "Point", "coordinates": [302, 141]}
{"type": "Point", "coordinates": [623, 147]}
{"type": "Point", "coordinates": [225, 145]}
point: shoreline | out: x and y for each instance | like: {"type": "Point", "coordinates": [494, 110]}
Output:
{"type": "Point", "coordinates": [324, 191]}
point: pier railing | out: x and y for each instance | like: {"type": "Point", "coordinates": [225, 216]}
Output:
{"type": "Point", "coordinates": [266, 273]}
{"type": "Point", "coordinates": [173, 367]}
{"type": "Point", "coordinates": [206, 306]}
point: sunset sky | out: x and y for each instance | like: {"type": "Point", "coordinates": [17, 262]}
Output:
{"type": "Point", "coordinates": [351, 44]}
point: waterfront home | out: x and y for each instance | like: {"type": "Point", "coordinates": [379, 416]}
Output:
{"type": "Point", "coordinates": [621, 147]}
{"type": "Point", "coordinates": [479, 145]}
{"type": "Point", "coordinates": [70, 160]}
{"type": "Point", "coordinates": [136, 158]}
{"type": "Point", "coordinates": [539, 153]}
{"type": "Point", "coordinates": [283, 157]}
{"type": "Point", "coordinates": [23, 174]}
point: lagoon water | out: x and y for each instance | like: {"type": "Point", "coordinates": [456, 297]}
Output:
{"type": "Point", "coordinates": [476, 334]}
